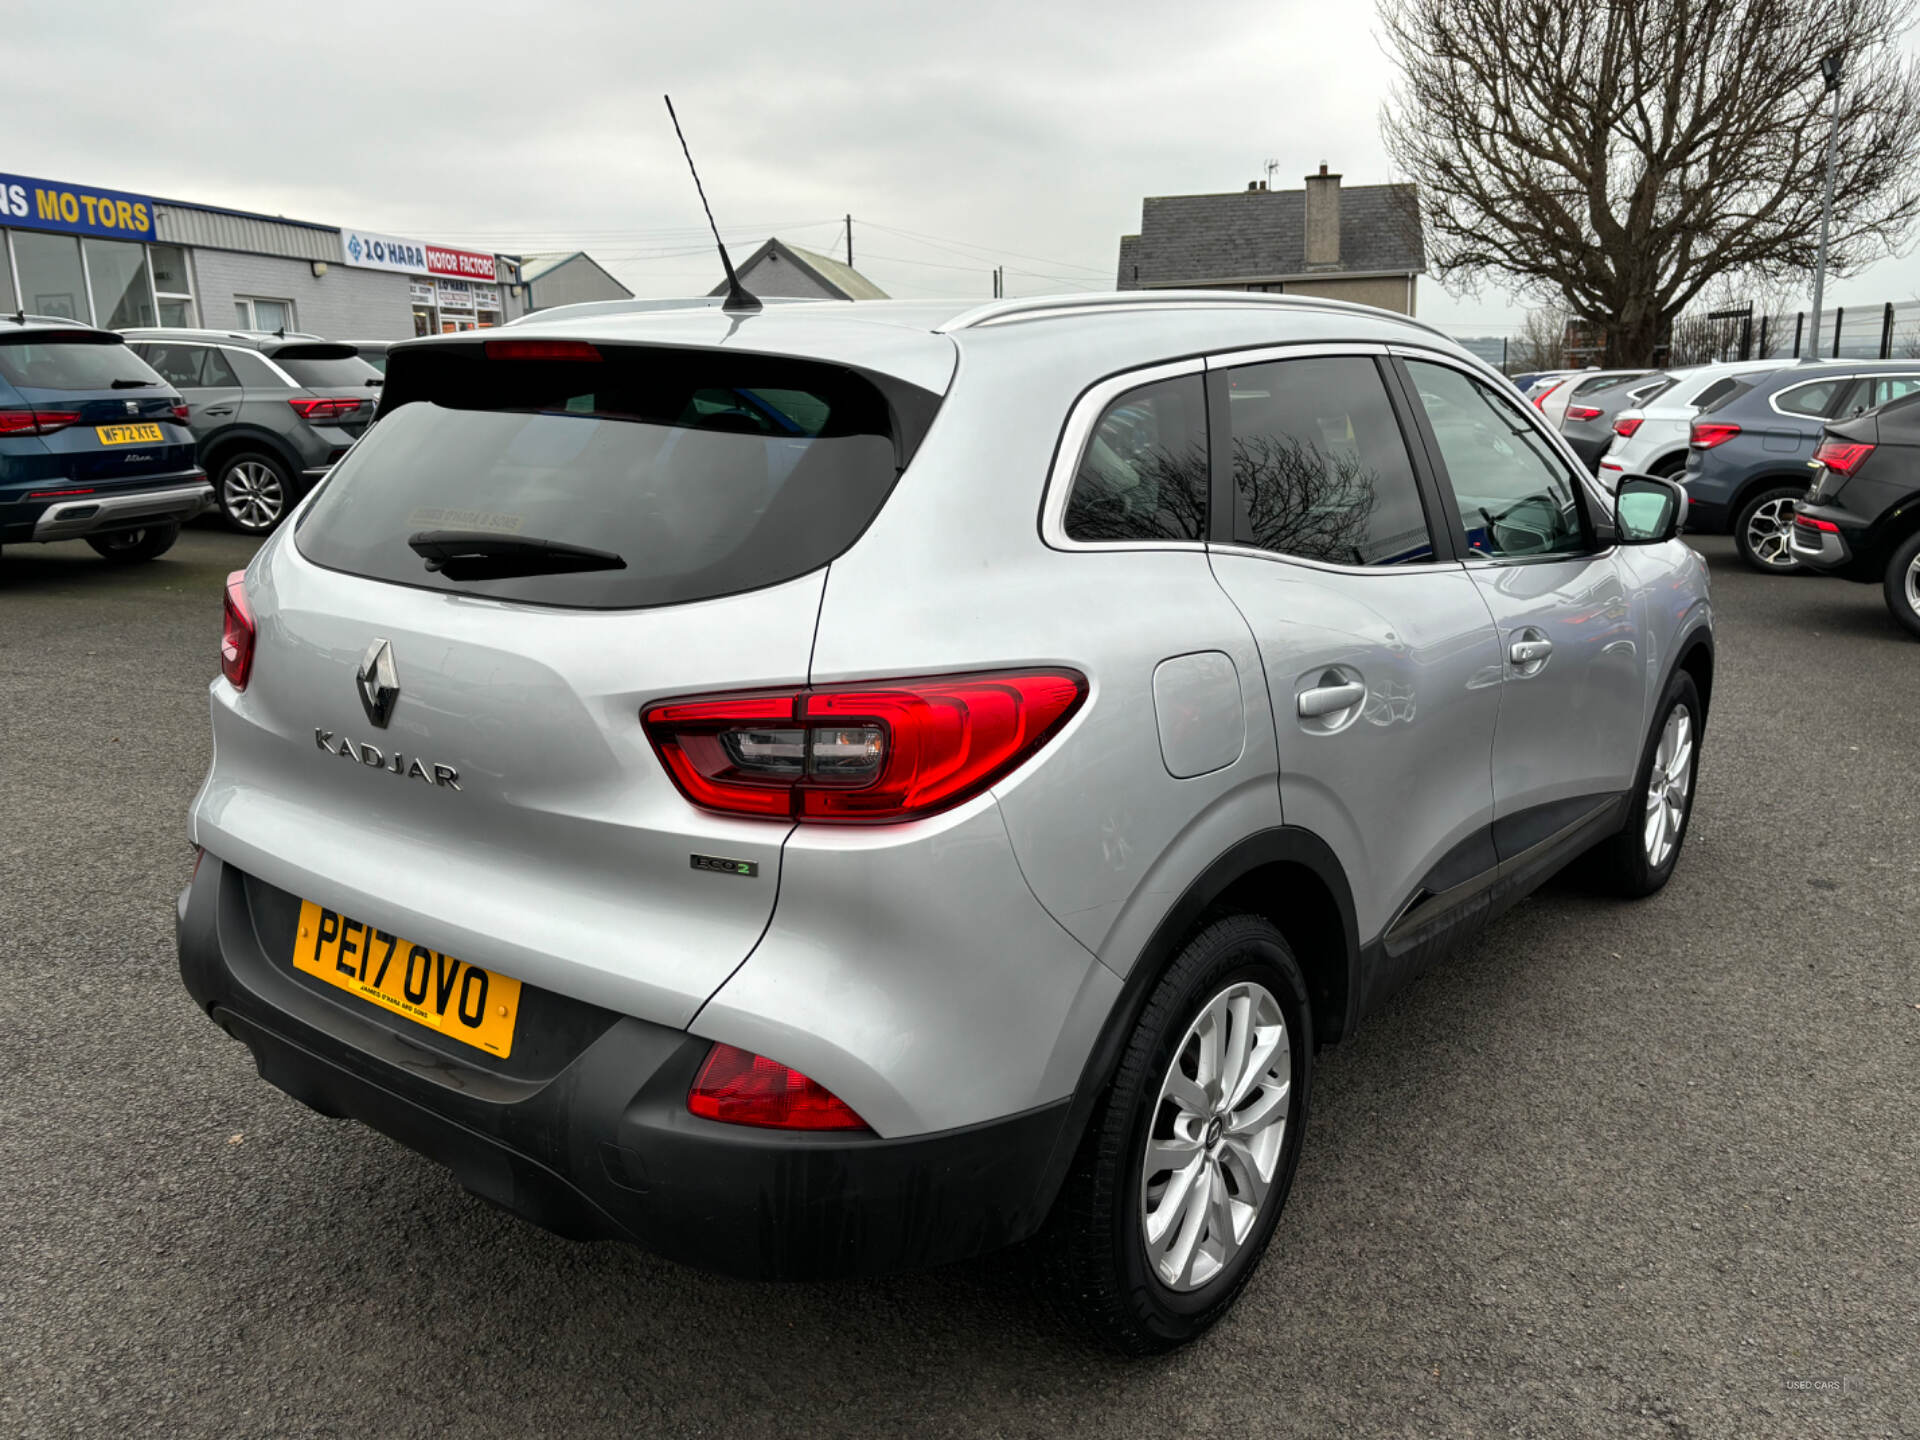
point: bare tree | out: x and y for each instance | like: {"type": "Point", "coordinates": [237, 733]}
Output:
{"type": "Point", "coordinates": [1541, 343]}
{"type": "Point", "coordinates": [1619, 155]}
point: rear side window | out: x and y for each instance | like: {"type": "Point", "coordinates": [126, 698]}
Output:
{"type": "Point", "coordinates": [182, 366]}
{"type": "Point", "coordinates": [706, 474]}
{"type": "Point", "coordinates": [327, 372]}
{"type": "Point", "coordinates": [1143, 474]}
{"type": "Point", "coordinates": [1320, 470]}
{"type": "Point", "coordinates": [1727, 397]}
{"type": "Point", "coordinates": [1814, 399]}
{"type": "Point", "coordinates": [1601, 384]}
{"type": "Point", "coordinates": [1713, 393]}
{"type": "Point", "coordinates": [74, 365]}
{"type": "Point", "coordinates": [253, 372]}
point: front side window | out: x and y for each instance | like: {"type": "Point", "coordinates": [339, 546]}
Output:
{"type": "Point", "coordinates": [1143, 474]}
{"type": "Point", "coordinates": [1515, 496]}
{"type": "Point", "coordinates": [1889, 388]}
{"type": "Point", "coordinates": [1320, 470]}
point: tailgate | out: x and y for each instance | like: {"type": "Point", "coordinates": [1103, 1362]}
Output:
{"type": "Point", "coordinates": [554, 848]}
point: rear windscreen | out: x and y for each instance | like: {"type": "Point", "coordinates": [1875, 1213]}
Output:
{"type": "Point", "coordinates": [329, 373]}
{"type": "Point", "coordinates": [706, 474]}
{"type": "Point", "coordinates": [74, 365]}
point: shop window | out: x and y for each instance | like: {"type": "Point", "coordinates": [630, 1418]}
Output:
{"type": "Point", "coordinates": [51, 280]}
{"type": "Point", "coordinates": [122, 293]}
{"type": "Point", "coordinates": [257, 313]}
{"type": "Point", "coordinates": [7, 301]}
{"type": "Point", "coordinates": [172, 286]}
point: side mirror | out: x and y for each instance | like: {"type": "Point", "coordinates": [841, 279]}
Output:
{"type": "Point", "coordinates": [1648, 509]}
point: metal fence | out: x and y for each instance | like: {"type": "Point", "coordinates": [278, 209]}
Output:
{"type": "Point", "coordinates": [1850, 332]}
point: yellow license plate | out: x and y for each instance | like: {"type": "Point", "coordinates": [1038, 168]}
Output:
{"type": "Point", "coordinates": [128, 434]}
{"type": "Point", "coordinates": [475, 1006]}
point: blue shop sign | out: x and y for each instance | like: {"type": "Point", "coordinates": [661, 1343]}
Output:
{"type": "Point", "coordinates": [30, 204]}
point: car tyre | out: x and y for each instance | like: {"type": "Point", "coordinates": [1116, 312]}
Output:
{"type": "Point", "coordinates": [1107, 1267]}
{"type": "Point", "coordinates": [128, 547]}
{"type": "Point", "coordinates": [1902, 584]}
{"type": "Point", "coordinates": [1640, 859]}
{"type": "Point", "coordinates": [254, 490]}
{"type": "Point", "coordinates": [1763, 530]}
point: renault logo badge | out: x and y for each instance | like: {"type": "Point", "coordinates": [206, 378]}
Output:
{"type": "Point", "coordinates": [379, 683]}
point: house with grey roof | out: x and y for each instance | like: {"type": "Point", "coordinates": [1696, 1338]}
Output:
{"type": "Point", "coordinates": [1362, 244]}
{"type": "Point", "coordinates": [567, 277]}
{"type": "Point", "coordinates": [778, 268]}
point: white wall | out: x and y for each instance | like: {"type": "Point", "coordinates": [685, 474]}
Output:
{"type": "Point", "coordinates": [347, 303]}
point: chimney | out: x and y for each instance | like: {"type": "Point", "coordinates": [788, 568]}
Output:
{"type": "Point", "coordinates": [1323, 218]}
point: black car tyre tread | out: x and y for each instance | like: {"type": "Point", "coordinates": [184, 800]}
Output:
{"type": "Point", "coordinates": [1894, 583]}
{"type": "Point", "coordinates": [128, 547]}
{"type": "Point", "coordinates": [1091, 1248]}
{"type": "Point", "coordinates": [1619, 865]}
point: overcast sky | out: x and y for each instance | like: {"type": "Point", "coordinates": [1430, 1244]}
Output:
{"type": "Point", "coordinates": [959, 137]}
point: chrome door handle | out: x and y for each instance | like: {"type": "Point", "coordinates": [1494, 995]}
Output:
{"type": "Point", "coordinates": [1529, 652]}
{"type": "Point", "coordinates": [1325, 699]}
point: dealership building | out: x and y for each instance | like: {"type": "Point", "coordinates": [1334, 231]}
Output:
{"type": "Point", "coordinates": [121, 260]}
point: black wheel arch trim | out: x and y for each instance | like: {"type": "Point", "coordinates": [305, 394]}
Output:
{"type": "Point", "coordinates": [243, 437]}
{"type": "Point", "coordinates": [1283, 844]}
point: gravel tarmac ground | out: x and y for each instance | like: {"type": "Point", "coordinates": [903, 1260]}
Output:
{"type": "Point", "coordinates": [1612, 1170]}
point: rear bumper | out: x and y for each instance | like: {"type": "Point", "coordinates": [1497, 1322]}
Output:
{"type": "Point", "coordinates": [181, 497]}
{"type": "Point", "coordinates": [1839, 550]}
{"type": "Point", "coordinates": [598, 1142]}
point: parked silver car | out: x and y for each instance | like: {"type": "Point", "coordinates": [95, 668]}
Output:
{"type": "Point", "coordinates": [900, 779]}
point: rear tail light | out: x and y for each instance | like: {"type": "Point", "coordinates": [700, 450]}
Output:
{"type": "Point", "coordinates": [180, 412]}
{"type": "Point", "coordinates": [1843, 457]}
{"type": "Point", "coordinates": [877, 752]}
{"type": "Point", "coordinates": [1627, 424]}
{"type": "Point", "coordinates": [541, 350]}
{"type": "Point", "coordinates": [36, 422]}
{"type": "Point", "coordinates": [1540, 400]}
{"type": "Point", "coordinates": [322, 409]}
{"type": "Point", "coordinates": [1705, 434]}
{"type": "Point", "coordinates": [236, 635]}
{"type": "Point", "coordinates": [738, 1087]}
{"type": "Point", "coordinates": [1584, 412]}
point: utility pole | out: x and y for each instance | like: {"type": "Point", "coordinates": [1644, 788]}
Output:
{"type": "Point", "coordinates": [849, 242]}
{"type": "Point", "coordinates": [999, 282]}
{"type": "Point", "coordinates": [1829, 72]}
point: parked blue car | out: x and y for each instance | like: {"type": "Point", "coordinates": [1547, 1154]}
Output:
{"type": "Point", "coordinates": [1750, 452]}
{"type": "Point", "coordinates": [94, 444]}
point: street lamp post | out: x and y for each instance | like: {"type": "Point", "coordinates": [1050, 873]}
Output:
{"type": "Point", "coordinates": [1829, 72]}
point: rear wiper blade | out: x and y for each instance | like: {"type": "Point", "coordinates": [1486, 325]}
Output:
{"type": "Point", "coordinates": [484, 555]}
{"type": "Point", "coordinates": [132, 384]}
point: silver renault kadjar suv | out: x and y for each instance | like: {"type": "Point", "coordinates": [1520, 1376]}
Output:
{"type": "Point", "coordinates": [851, 786]}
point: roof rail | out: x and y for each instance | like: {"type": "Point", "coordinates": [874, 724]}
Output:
{"type": "Point", "coordinates": [1043, 307]}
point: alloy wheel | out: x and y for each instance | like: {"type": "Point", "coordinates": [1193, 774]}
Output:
{"type": "Point", "coordinates": [1770, 534]}
{"type": "Point", "coordinates": [252, 495]}
{"type": "Point", "coordinates": [1913, 585]}
{"type": "Point", "coordinates": [1218, 1129]}
{"type": "Point", "coordinates": [1668, 785]}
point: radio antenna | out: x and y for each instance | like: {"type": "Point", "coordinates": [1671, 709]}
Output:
{"type": "Point", "coordinates": [739, 298]}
